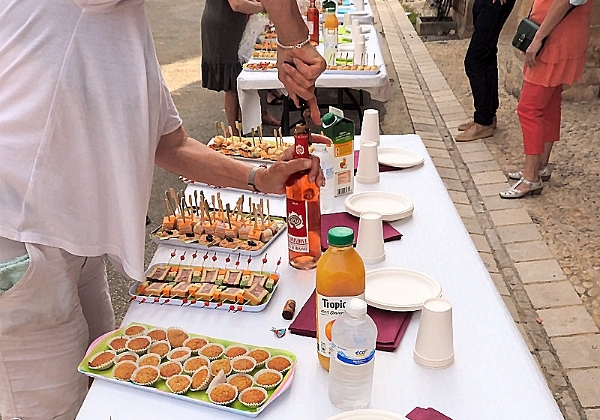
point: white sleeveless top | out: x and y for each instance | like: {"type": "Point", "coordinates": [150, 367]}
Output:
{"type": "Point", "coordinates": [82, 107]}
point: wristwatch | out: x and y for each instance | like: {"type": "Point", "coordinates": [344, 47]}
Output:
{"type": "Point", "coordinates": [251, 176]}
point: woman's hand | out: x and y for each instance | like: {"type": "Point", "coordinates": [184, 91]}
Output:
{"type": "Point", "coordinates": [532, 52]}
{"type": "Point", "coordinates": [299, 69]}
{"type": "Point", "coordinates": [272, 179]}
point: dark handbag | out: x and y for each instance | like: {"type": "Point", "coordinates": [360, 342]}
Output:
{"type": "Point", "coordinates": [525, 32]}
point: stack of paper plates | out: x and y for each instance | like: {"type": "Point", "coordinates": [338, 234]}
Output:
{"type": "Point", "coordinates": [390, 206]}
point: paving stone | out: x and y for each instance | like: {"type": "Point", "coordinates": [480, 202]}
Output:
{"type": "Point", "coordinates": [489, 190]}
{"type": "Point", "coordinates": [518, 233]}
{"type": "Point", "coordinates": [477, 156]}
{"type": "Point", "coordinates": [489, 262]}
{"type": "Point", "coordinates": [585, 382]}
{"type": "Point", "coordinates": [539, 271]}
{"type": "Point", "coordinates": [549, 295]}
{"type": "Point", "coordinates": [459, 197]}
{"type": "Point", "coordinates": [525, 336]}
{"type": "Point", "coordinates": [434, 144]}
{"type": "Point", "coordinates": [453, 184]}
{"type": "Point", "coordinates": [443, 153]}
{"type": "Point", "coordinates": [510, 217]}
{"type": "Point", "coordinates": [465, 211]}
{"type": "Point", "coordinates": [512, 309]}
{"type": "Point", "coordinates": [528, 251]}
{"type": "Point", "coordinates": [492, 177]}
{"type": "Point", "coordinates": [441, 162]}
{"type": "Point", "coordinates": [593, 414]}
{"type": "Point", "coordinates": [500, 284]}
{"type": "Point", "coordinates": [448, 173]}
{"type": "Point", "coordinates": [472, 146]}
{"type": "Point", "coordinates": [567, 321]}
{"type": "Point", "coordinates": [486, 166]}
{"type": "Point", "coordinates": [481, 243]}
{"type": "Point", "coordinates": [472, 226]}
{"type": "Point", "coordinates": [494, 202]}
{"type": "Point", "coordinates": [580, 351]}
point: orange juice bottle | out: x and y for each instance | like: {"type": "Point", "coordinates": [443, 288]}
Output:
{"type": "Point", "coordinates": [330, 36]}
{"type": "Point", "coordinates": [340, 277]}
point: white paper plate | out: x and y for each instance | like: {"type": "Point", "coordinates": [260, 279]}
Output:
{"type": "Point", "coordinates": [390, 206]}
{"type": "Point", "coordinates": [399, 289]}
{"type": "Point", "coordinates": [367, 414]}
{"type": "Point", "coordinates": [399, 158]}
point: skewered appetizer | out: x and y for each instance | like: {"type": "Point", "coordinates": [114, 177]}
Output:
{"type": "Point", "coordinates": [193, 220]}
{"type": "Point", "coordinates": [242, 287]}
{"type": "Point", "coordinates": [261, 66]}
{"type": "Point", "coordinates": [264, 54]}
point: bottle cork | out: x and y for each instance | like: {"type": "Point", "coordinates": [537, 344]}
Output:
{"type": "Point", "coordinates": [289, 309]}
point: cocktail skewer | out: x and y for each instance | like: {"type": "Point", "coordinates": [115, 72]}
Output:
{"type": "Point", "coordinates": [277, 265]}
{"type": "Point", "coordinates": [214, 259]}
{"type": "Point", "coordinates": [264, 261]}
{"type": "Point", "coordinates": [172, 255]}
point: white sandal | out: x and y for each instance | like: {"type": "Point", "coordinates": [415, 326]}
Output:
{"type": "Point", "coordinates": [545, 174]}
{"type": "Point", "coordinates": [535, 188]}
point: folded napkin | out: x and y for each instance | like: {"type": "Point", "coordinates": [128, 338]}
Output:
{"type": "Point", "coordinates": [346, 219]}
{"type": "Point", "coordinates": [426, 414]}
{"type": "Point", "coordinates": [382, 167]}
{"type": "Point", "coordinates": [390, 325]}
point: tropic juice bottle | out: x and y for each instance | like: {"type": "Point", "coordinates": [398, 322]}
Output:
{"type": "Point", "coordinates": [340, 277]}
{"type": "Point", "coordinates": [303, 210]}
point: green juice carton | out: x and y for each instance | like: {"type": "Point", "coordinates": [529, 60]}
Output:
{"type": "Point", "coordinates": [341, 132]}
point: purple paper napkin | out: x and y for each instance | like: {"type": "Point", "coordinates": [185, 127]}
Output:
{"type": "Point", "coordinates": [346, 219]}
{"type": "Point", "coordinates": [390, 325]}
{"type": "Point", "coordinates": [382, 167]}
{"type": "Point", "coordinates": [426, 414]}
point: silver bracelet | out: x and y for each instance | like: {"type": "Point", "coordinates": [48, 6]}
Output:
{"type": "Point", "coordinates": [291, 47]}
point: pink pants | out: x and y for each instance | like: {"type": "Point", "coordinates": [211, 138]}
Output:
{"type": "Point", "coordinates": [47, 321]}
{"type": "Point", "coordinates": [539, 114]}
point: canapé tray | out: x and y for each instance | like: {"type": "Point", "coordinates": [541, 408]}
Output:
{"type": "Point", "coordinates": [283, 375]}
{"type": "Point", "coordinates": [206, 287]}
{"type": "Point", "coordinates": [257, 149]}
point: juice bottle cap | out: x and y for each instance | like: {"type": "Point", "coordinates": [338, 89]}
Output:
{"type": "Point", "coordinates": [331, 9]}
{"type": "Point", "coordinates": [340, 236]}
{"type": "Point", "coordinates": [356, 307]}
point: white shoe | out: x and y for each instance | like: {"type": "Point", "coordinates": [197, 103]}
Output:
{"type": "Point", "coordinates": [545, 174]}
{"type": "Point", "coordinates": [535, 188]}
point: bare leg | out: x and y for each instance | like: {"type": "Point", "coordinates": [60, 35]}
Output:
{"type": "Point", "coordinates": [530, 173]}
{"type": "Point", "coordinates": [546, 156]}
{"type": "Point", "coordinates": [232, 109]}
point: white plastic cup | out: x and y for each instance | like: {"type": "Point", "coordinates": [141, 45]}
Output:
{"type": "Point", "coordinates": [355, 30]}
{"type": "Point", "coordinates": [368, 164]}
{"type": "Point", "coordinates": [369, 131]}
{"type": "Point", "coordinates": [347, 20]}
{"type": "Point", "coordinates": [359, 5]}
{"type": "Point", "coordinates": [359, 53]}
{"type": "Point", "coordinates": [434, 347]}
{"type": "Point", "coordinates": [369, 241]}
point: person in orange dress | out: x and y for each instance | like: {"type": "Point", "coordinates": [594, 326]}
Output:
{"type": "Point", "coordinates": [564, 36]}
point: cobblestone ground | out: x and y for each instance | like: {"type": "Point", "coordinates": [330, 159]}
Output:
{"type": "Point", "coordinates": [567, 210]}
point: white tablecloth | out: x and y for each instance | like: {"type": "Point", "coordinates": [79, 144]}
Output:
{"type": "Point", "coordinates": [250, 82]}
{"type": "Point", "coordinates": [493, 377]}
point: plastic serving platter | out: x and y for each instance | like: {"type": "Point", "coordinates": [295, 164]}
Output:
{"type": "Point", "coordinates": [195, 303]}
{"type": "Point", "coordinates": [198, 397]}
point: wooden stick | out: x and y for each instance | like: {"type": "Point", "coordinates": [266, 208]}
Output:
{"type": "Point", "coordinates": [216, 128]}
{"type": "Point", "coordinates": [228, 219]}
{"type": "Point", "coordinates": [223, 128]}
{"type": "Point", "coordinates": [268, 212]}
{"type": "Point", "coordinates": [275, 135]}
{"type": "Point", "coordinates": [253, 144]}
{"type": "Point", "coordinates": [260, 136]}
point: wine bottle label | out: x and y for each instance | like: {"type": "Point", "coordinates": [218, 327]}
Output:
{"type": "Point", "coordinates": [297, 211]}
{"type": "Point", "coordinates": [329, 308]}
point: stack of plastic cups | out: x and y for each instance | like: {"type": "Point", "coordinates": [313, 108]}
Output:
{"type": "Point", "coordinates": [369, 241]}
{"type": "Point", "coordinates": [368, 164]}
{"type": "Point", "coordinates": [359, 5]}
{"type": "Point", "coordinates": [434, 348]}
{"type": "Point", "coordinates": [370, 127]}
{"type": "Point", "coordinates": [355, 30]}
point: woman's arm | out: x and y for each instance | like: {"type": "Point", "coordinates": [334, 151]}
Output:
{"type": "Point", "coordinates": [180, 154]}
{"type": "Point", "coordinates": [307, 64]}
{"type": "Point", "coordinates": [556, 13]}
{"type": "Point", "coordinates": [248, 7]}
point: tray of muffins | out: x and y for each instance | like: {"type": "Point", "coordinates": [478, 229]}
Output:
{"type": "Point", "coordinates": [206, 287]}
{"type": "Point", "coordinates": [222, 374]}
{"type": "Point", "coordinates": [191, 222]}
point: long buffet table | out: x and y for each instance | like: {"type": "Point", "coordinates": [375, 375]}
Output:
{"type": "Point", "coordinates": [378, 85]}
{"type": "Point", "coordinates": [493, 377]}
